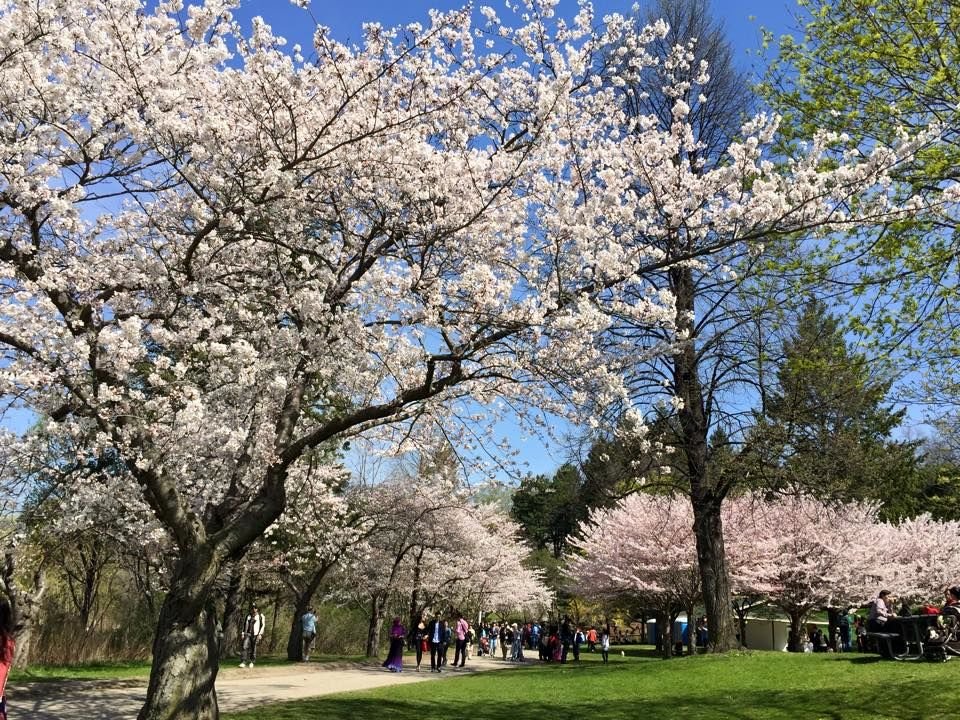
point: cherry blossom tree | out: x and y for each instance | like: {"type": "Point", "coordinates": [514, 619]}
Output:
{"type": "Point", "coordinates": [805, 555]}
{"type": "Point", "coordinates": [319, 525]}
{"type": "Point", "coordinates": [217, 255]}
{"type": "Point", "coordinates": [917, 558]}
{"type": "Point", "coordinates": [481, 565]}
{"type": "Point", "coordinates": [52, 532]}
{"type": "Point", "coordinates": [644, 548]}
{"type": "Point", "coordinates": [429, 543]}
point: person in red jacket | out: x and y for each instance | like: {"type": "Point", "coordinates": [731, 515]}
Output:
{"type": "Point", "coordinates": [6, 653]}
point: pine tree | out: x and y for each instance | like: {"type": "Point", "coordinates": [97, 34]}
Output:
{"type": "Point", "coordinates": [827, 427]}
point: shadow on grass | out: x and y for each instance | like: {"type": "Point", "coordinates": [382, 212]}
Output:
{"type": "Point", "coordinates": [858, 659]}
{"type": "Point", "coordinates": [919, 700]}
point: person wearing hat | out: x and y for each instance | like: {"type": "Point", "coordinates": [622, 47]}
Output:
{"type": "Point", "coordinates": [252, 633]}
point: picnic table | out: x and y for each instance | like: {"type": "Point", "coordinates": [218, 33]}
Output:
{"type": "Point", "coordinates": [903, 636]}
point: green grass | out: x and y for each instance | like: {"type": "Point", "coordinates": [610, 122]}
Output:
{"type": "Point", "coordinates": [87, 671]}
{"type": "Point", "coordinates": [747, 686]}
{"type": "Point", "coordinates": [137, 670]}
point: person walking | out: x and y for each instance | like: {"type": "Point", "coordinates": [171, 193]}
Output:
{"type": "Point", "coordinates": [460, 654]}
{"type": "Point", "coordinates": [437, 636]}
{"type": "Point", "coordinates": [253, 627]}
{"type": "Point", "coordinates": [578, 639]}
{"type": "Point", "coordinates": [516, 654]}
{"type": "Point", "coordinates": [506, 638]}
{"type": "Point", "coordinates": [494, 637]}
{"type": "Point", "coordinates": [398, 636]}
{"type": "Point", "coordinates": [566, 637]}
{"type": "Point", "coordinates": [420, 639]}
{"type": "Point", "coordinates": [7, 648]}
{"type": "Point", "coordinates": [605, 646]}
{"type": "Point", "coordinates": [308, 632]}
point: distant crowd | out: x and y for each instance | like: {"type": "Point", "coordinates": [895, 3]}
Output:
{"type": "Point", "coordinates": [435, 637]}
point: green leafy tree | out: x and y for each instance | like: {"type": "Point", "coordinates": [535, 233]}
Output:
{"type": "Point", "coordinates": [827, 427]}
{"type": "Point", "coordinates": [549, 509]}
{"type": "Point", "coordinates": [875, 69]}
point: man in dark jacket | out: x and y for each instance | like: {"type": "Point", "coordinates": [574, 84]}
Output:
{"type": "Point", "coordinates": [437, 637]}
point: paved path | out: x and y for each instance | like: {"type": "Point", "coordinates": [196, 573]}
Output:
{"type": "Point", "coordinates": [236, 689]}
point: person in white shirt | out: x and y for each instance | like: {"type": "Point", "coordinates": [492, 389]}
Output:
{"type": "Point", "coordinates": [253, 627]}
{"type": "Point", "coordinates": [879, 612]}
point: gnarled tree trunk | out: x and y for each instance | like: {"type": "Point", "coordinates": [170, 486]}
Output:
{"type": "Point", "coordinates": [796, 641]}
{"type": "Point", "coordinates": [665, 634]}
{"type": "Point", "coordinates": [24, 608]}
{"type": "Point", "coordinates": [230, 622]}
{"type": "Point", "coordinates": [376, 624]}
{"type": "Point", "coordinates": [185, 648]}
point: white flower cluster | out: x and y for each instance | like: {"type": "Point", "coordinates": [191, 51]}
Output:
{"type": "Point", "coordinates": [215, 256]}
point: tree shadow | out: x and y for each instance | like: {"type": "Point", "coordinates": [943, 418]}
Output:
{"type": "Point", "coordinates": [919, 700]}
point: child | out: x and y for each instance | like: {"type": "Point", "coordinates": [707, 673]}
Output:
{"type": "Point", "coordinates": [605, 646]}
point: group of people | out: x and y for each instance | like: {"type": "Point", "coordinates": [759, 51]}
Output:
{"type": "Point", "coordinates": [881, 609]}
{"type": "Point", "coordinates": [436, 635]}
{"type": "Point", "coordinates": [853, 628]}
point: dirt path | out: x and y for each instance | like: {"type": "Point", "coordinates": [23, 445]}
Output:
{"type": "Point", "coordinates": [237, 689]}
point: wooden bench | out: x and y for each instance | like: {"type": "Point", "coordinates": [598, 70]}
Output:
{"type": "Point", "coordinates": [885, 638]}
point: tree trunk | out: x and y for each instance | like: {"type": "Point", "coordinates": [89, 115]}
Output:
{"type": "Point", "coordinates": [415, 610]}
{"type": "Point", "coordinates": [833, 624]}
{"type": "Point", "coordinates": [295, 640]}
{"type": "Point", "coordinates": [665, 635]}
{"type": "Point", "coordinates": [301, 602]}
{"type": "Point", "coordinates": [230, 623]}
{"type": "Point", "coordinates": [711, 556]}
{"type": "Point", "coordinates": [24, 609]}
{"type": "Point", "coordinates": [185, 653]}
{"type": "Point", "coordinates": [691, 632]}
{"type": "Point", "coordinates": [705, 497]}
{"type": "Point", "coordinates": [376, 623]}
{"type": "Point", "coordinates": [741, 612]}
{"type": "Point", "coordinates": [795, 641]}
{"type": "Point", "coordinates": [273, 624]}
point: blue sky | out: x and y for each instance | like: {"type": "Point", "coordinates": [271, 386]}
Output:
{"type": "Point", "coordinates": [742, 18]}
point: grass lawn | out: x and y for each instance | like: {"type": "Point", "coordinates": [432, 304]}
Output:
{"type": "Point", "coordinates": [747, 686]}
{"type": "Point", "coordinates": [87, 671]}
{"type": "Point", "coordinates": [139, 669]}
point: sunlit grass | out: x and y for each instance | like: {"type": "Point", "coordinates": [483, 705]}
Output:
{"type": "Point", "coordinates": [742, 686]}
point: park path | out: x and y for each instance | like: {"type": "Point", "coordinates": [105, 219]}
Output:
{"type": "Point", "coordinates": [237, 689]}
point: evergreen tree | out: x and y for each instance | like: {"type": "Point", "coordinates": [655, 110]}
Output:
{"type": "Point", "coordinates": [826, 427]}
{"type": "Point", "coordinates": [549, 509]}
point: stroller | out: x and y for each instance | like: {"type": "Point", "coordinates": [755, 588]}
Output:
{"type": "Point", "coordinates": [484, 646]}
{"type": "Point", "coordinates": [943, 639]}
